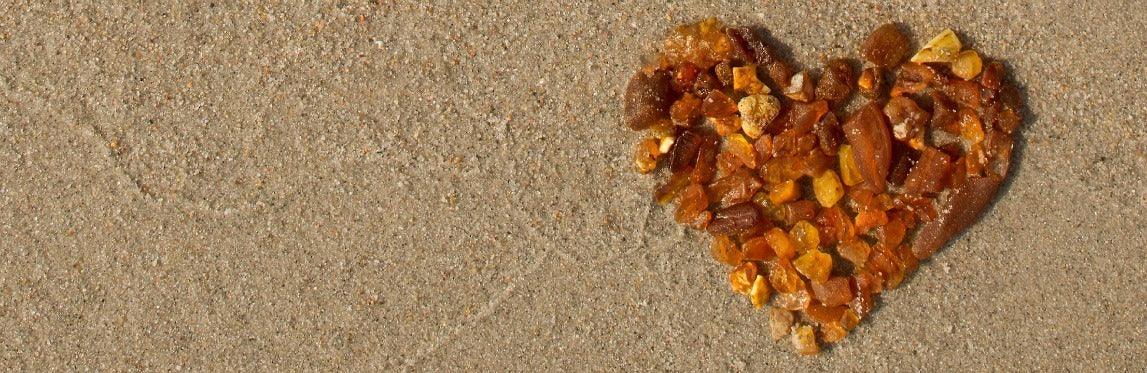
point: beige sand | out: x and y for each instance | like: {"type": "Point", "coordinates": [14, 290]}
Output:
{"type": "Point", "coordinates": [361, 185]}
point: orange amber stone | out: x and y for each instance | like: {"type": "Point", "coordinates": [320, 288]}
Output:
{"type": "Point", "coordinates": [856, 251]}
{"type": "Point", "coordinates": [693, 203]}
{"type": "Point", "coordinates": [784, 277]}
{"type": "Point", "coordinates": [832, 332]}
{"type": "Point", "coordinates": [797, 301]}
{"type": "Point", "coordinates": [758, 249]}
{"type": "Point", "coordinates": [725, 250]}
{"type": "Point", "coordinates": [824, 314]}
{"type": "Point", "coordinates": [685, 110]}
{"type": "Point", "coordinates": [805, 235]}
{"type": "Point", "coordinates": [743, 149]}
{"type": "Point", "coordinates": [834, 292]}
{"type": "Point", "coordinates": [886, 46]}
{"type": "Point", "coordinates": [741, 278]}
{"type": "Point", "coordinates": [781, 243]}
{"type": "Point", "coordinates": [718, 104]}
{"type": "Point", "coordinates": [759, 293]}
{"type": "Point", "coordinates": [814, 265]}
{"type": "Point", "coordinates": [703, 44]}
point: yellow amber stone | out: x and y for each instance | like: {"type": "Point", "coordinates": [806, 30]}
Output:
{"type": "Point", "coordinates": [784, 192]}
{"type": "Point", "coordinates": [814, 265]}
{"type": "Point", "coordinates": [832, 332]}
{"type": "Point", "coordinates": [967, 65]}
{"type": "Point", "coordinates": [805, 235]}
{"type": "Point", "coordinates": [849, 173]}
{"type": "Point", "coordinates": [781, 243]}
{"type": "Point", "coordinates": [804, 340]}
{"type": "Point", "coordinates": [827, 188]}
{"type": "Point", "coordinates": [745, 80]}
{"type": "Point", "coordinates": [760, 292]}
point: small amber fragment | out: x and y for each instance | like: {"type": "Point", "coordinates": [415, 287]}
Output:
{"type": "Point", "coordinates": [718, 104]}
{"type": "Point", "coordinates": [834, 292]}
{"type": "Point", "coordinates": [804, 340]}
{"type": "Point", "coordinates": [684, 153]}
{"type": "Point", "coordinates": [685, 110]}
{"type": "Point", "coordinates": [941, 48]}
{"type": "Point", "coordinates": [784, 192]}
{"type": "Point", "coordinates": [824, 314]}
{"type": "Point", "coordinates": [871, 83]}
{"type": "Point", "coordinates": [736, 187]}
{"type": "Point", "coordinates": [805, 235]}
{"type": "Point", "coordinates": [672, 188]}
{"type": "Point", "coordinates": [827, 188]}
{"type": "Point", "coordinates": [944, 113]}
{"type": "Point", "coordinates": [781, 243]}
{"type": "Point", "coordinates": [856, 251]}
{"type": "Point", "coordinates": [832, 332]}
{"type": "Point", "coordinates": [757, 111]}
{"type": "Point", "coordinates": [725, 250]}
{"type": "Point", "coordinates": [970, 127]}
{"type": "Point", "coordinates": [829, 134]}
{"type": "Point", "coordinates": [802, 117]}
{"type": "Point", "coordinates": [929, 175]}
{"type": "Point", "coordinates": [745, 80]}
{"type": "Point", "coordinates": [759, 293]}
{"type": "Point", "coordinates": [693, 202]}
{"type": "Point", "coordinates": [849, 173]}
{"type": "Point", "coordinates": [740, 218]}
{"type": "Point", "coordinates": [849, 320]}
{"type": "Point", "coordinates": [757, 249]}
{"type": "Point", "coordinates": [727, 125]}
{"type": "Point", "coordinates": [645, 156]}
{"type": "Point", "coordinates": [886, 46]}
{"type": "Point", "coordinates": [835, 83]}
{"type": "Point", "coordinates": [799, 210]}
{"type": "Point", "coordinates": [795, 301]}
{"type": "Point", "coordinates": [783, 276]}
{"type": "Point", "coordinates": [908, 120]}
{"type": "Point", "coordinates": [780, 321]}
{"type": "Point", "coordinates": [647, 99]}
{"type": "Point", "coordinates": [800, 87]}
{"type": "Point", "coordinates": [706, 164]}
{"type": "Point", "coordinates": [867, 133]}
{"type": "Point", "coordinates": [814, 265]}
{"type": "Point", "coordinates": [967, 65]}
{"type": "Point", "coordinates": [743, 149]}
{"type": "Point", "coordinates": [702, 44]}
{"type": "Point", "coordinates": [912, 78]}
{"type": "Point", "coordinates": [966, 93]}
{"type": "Point", "coordinates": [993, 75]}
{"type": "Point", "coordinates": [868, 219]}
{"type": "Point", "coordinates": [741, 278]}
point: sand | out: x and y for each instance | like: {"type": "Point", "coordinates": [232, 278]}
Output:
{"type": "Point", "coordinates": [447, 186]}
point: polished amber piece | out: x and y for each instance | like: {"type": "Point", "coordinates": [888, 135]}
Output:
{"type": "Point", "coordinates": [702, 44]}
{"type": "Point", "coordinates": [780, 321]}
{"type": "Point", "coordinates": [692, 203]}
{"type": "Point", "coordinates": [814, 265]}
{"type": "Point", "coordinates": [967, 65]}
{"type": "Point", "coordinates": [725, 250]}
{"type": "Point", "coordinates": [836, 81]}
{"type": "Point", "coordinates": [645, 155]}
{"type": "Point", "coordinates": [886, 47]}
{"type": "Point", "coordinates": [741, 278]}
{"type": "Point", "coordinates": [783, 276]}
{"type": "Point", "coordinates": [834, 292]}
{"type": "Point", "coordinates": [757, 249]}
{"type": "Point", "coordinates": [759, 293]}
{"type": "Point", "coordinates": [804, 340]}
{"type": "Point", "coordinates": [647, 99]}
{"type": "Point", "coordinates": [867, 133]}
{"type": "Point", "coordinates": [827, 188]}
{"type": "Point", "coordinates": [805, 235]}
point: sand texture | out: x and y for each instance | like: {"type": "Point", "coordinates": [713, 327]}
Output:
{"type": "Point", "coordinates": [446, 185]}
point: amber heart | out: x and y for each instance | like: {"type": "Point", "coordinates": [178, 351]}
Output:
{"type": "Point", "coordinates": [818, 215]}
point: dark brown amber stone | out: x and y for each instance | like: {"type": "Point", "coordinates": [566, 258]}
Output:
{"type": "Point", "coordinates": [886, 46]}
{"type": "Point", "coordinates": [647, 99]}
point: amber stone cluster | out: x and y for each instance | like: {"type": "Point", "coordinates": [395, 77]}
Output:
{"type": "Point", "coordinates": [816, 215]}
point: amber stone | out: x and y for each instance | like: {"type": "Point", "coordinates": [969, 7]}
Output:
{"type": "Point", "coordinates": [672, 188]}
{"type": "Point", "coordinates": [886, 47]}
{"type": "Point", "coordinates": [725, 250]}
{"type": "Point", "coordinates": [783, 276]}
{"type": "Point", "coordinates": [855, 251]}
{"type": "Point", "coordinates": [863, 285]}
{"type": "Point", "coordinates": [832, 332]}
{"type": "Point", "coordinates": [908, 120]}
{"type": "Point", "coordinates": [735, 219]}
{"type": "Point", "coordinates": [781, 243]}
{"type": "Point", "coordinates": [706, 164]}
{"type": "Point", "coordinates": [801, 87]}
{"type": "Point", "coordinates": [913, 78]}
{"type": "Point", "coordinates": [743, 149]}
{"type": "Point", "coordinates": [724, 72]}
{"type": "Point", "coordinates": [741, 278]}
{"type": "Point", "coordinates": [759, 293]}
{"type": "Point", "coordinates": [684, 78]}
{"type": "Point", "coordinates": [739, 186]}
{"type": "Point", "coordinates": [780, 321]}
{"type": "Point", "coordinates": [823, 313]}
{"type": "Point", "coordinates": [804, 340]}
{"type": "Point", "coordinates": [827, 188]}
{"type": "Point", "coordinates": [806, 236]}
{"type": "Point", "coordinates": [718, 104]}
{"type": "Point", "coordinates": [797, 301]}
{"type": "Point", "coordinates": [685, 110]}
{"type": "Point", "coordinates": [645, 155]}
{"type": "Point", "coordinates": [961, 209]}
{"type": "Point", "coordinates": [814, 265]}
{"type": "Point", "coordinates": [684, 153]}
{"type": "Point", "coordinates": [892, 233]}
{"type": "Point", "coordinates": [647, 99]}
{"type": "Point", "coordinates": [829, 134]}
{"type": "Point", "coordinates": [871, 83]}
{"type": "Point", "coordinates": [799, 210]}
{"type": "Point", "coordinates": [868, 219]}
{"type": "Point", "coordinates": [966, 93]}
{"type": "Point", "coordinates": [778, 70]}
{"type": "Point", "coordinates": [992, 76]}
{"type": "Point", "coordinates": [834, 292]}
{"type": "Point", "coordinates": [929, 175]}
{"type": "Point", "coordinates": [836, 81]}
{"type": "Point", "coordinates": [944, 113]}
{"type": "Point", "coordinates": [706, 82]}
{"type": "Point", "coordinates": [757, 249]}
{"type": "Point", "coordinates": [803, 116]}
{"type": "Point", "coordinates": [692, 202]}
{"type": "Point", "coordinates": [702, 44]}
{"type": "Point", "coordinates": [867, 133]}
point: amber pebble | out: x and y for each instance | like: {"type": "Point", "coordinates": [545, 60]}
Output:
{"type": "Point", "coordinates": [823, 313]}
{"type": "Point", "coordinates": [999, 148]}
{"type": "Point", "coordinates": [929, 175]}
{"type": "Point", "coordinates": [832, 332]}
{"type": "Point", "coordinates": [777, 69]}
{"type": "Point", "coordinates": [976, 159]}
{"type": "Point", "coordinates": [827, 188]}
{"type": "Point", "coordinates": [783, 276]}
{"type": "Point", "coordinates": [685, 110]}
{"type": "Point", "coordinates": [743, 149]}
{"type": "Point", "coordinates": [966, 93]}
{"type": "Point", "coordinates": [726, 125]}
{"type": "Point", "coordinates": [868, 219]}
{"type": "Point", "coordinates": [907, 120]}
{"type": "Point", "coordinates": [1008, 120]}
{"type": "Point", "coordinates": [805, 235]}
{"type": "Point", "coordinates": [971, 129]}
{"type": "Point", "coordinates": [796, 301]}
{"type": "Point", "coordinates": [804, 340]}
{"type": "Point", "coordinates": [886, 266]}
{"type": "Point", "coordinates": [849, 320]}
{"type": "Point", "coordinates": [803, 116]}
{"type": "Point", "coordinates": [849, 172]}
{"type": "Point", "coordinates": [962, 208]}
{"type": "Point", "coordinates": [867, 133]}
{"type": "Point", "coordinates": [684, 153]}
{"type": "Point", "coordinates": [801, 87]}
{"type": "Point", "coordinates": [829, 134]}
{"type": "Point", "coordinates": [967, 65]}
{"type": "Point", "coordinates": [892, 233]}
{"type": "Point", "coordinates": [886, 47]}
{"type": "Point", "coordinates": [780, 321]}
{"type": "Point", "coordinates": [814, 265]}
{"type": "Point", "coordinates": [863, 285]}
{"type": "Point", "coordinates": [992, 75]}
{"type": "Point", "coordinates": [692, 203]}
{"type": "Point", "coordinates": [784, 192]}
{"type": "Point", "coordinates": [703, 44]}
{"type": "Point", "coordinates": [745, 80]}
{"type": "Point", "coordinates": [739, 218]}
{"type": "Point", "coordinates": [739, 186]}
{"type": "Point", "coordinates": [725, 250]}
{"type": "Point", "coordinates": [718, 104]}
{"type": "Point", "coordinates": [706, 164]}
{"type": "Point", "coordinates": [912, 78]}
{"type": "Point", "coordinates": [672, 188]}
{"type": "Point", "coordinates": [757, 249]}
{"type": "Point", "coordinates": [727, 163]}
{"type": "Point", "coordinates": [834, 292]}
{"type": "Point", "coordinates": [799, 210]}
{"type": "Point", "coordinates": [836, 81]}
{"type": "Point", "coordinates": [871, 83]}
{"type": "Point", "coordinates": [645, 155]}
{"type": "Point", "coordinates": [855, 251]}
{"type": "Point", "coordinates": [741, 278]}
{"type": "Point", "coordinates": [805, 143]}
{"type": "Point", "coordinates": [759, 293]}
{"type": "Point", "coordinates": [647, 99]}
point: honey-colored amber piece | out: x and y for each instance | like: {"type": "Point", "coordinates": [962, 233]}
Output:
{"type": "Point", "coordinates": [814, 265]}
{"type": "Point", "coordinates": [971, 129]}
{"type": "Point", "coordinates": [702, 44]}
{"type": "Point", "coordinates": [759, 293]}
{"type": "Point", "coordinates": [784, 277]}
{"type": "Point", "coordinates": [745, 80]}
{"type": "Point", "coordinates": [757, 249]}
{"type": "Point", "coordinates": [692, 203]}
{"type": "Point", "coordinates": [725, 250]}
{"type": "Point", "coordinates": [734, 188]}
{"type": "Point", "coordinates": [855, 251]}
{"type": "Point", "coordinates": [871, 83]}
{"type": "Point", "coordinates": [784, 192]}
{"type": "Point", "coordinates": [685, 110]}
{"type": "Point", "coordinates": [967, 65]}
{"type": "Point", "coordinates": [645, 156]}
{"type": "Point", "coordinates": [832, 332]}
{"type": "Point", "coordinates": [827, 188]}
{"type": "Point", "coordinates": [743, 149]}
{"type": "Point", "coordinates": [849, 320]}
{"type": "Point", "coordinates": [912, 78]}
{"type": "Point", "coordinates": [835, 84]}
{"type": "Point", "coordinates": [824, 314]}
{"type": "Point", "coordinates": [727, 125]}
{"type": "Point", "coordinates": [804, 340]}
{"type": "Point", "coordinates": [805, 235]}
{"type": "Point", "coordinates": [795, 301]}
{"type": "Point", "coordinates": [718, 104]}
{"type": "Point", "coordinates": [867, 132]}
{"type": "Point", "coordinates": [849, 173]}
{"type": "Point", "coordinates": [739, 278]}
{"type": "Point", "coordinates": [834, 292]}
{"type": "Point", "coordinates": [801, 88]}
{"type": "Point", "coordinates": [780, 321]}
{"type": "Point", "coordinates": [941, 48]}
{"type": "Point", "coordinates": [886, 46]}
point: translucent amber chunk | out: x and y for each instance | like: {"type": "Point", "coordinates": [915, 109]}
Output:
{"type": "Point", "coordinates": [784, 277]}
{"type": "Point", "coordinates": [759, 293]}
{"type": "Point", "coordinates": [745, 80]}
{"type": "Point", "coordinates": [781, 243]}
{"type": "Point", "coordinates": [741, 278]}
{"type": "Point", "coordinates": [725, 250]}
{"type": "Point", "coordinates": [941, 48]}
{"type": "Point", "coordinates": [832, 332]}
{"type": "Point", "coordinates": [967, 65]}
{"type": "Point", "coordinates": [804, 340]}
{"type": "Point", "coordinates": [814, 265]}
{"type": "Point", "coordinates": [827, 188]}
{"type": "Point", "coordinates": [743, 149]}
{"type": "Point", "coordinates": [805, 235]}
{"type": "Point", "coordinates": [849, 173]}
{"type": "Point", "coordinates": [784, 192]}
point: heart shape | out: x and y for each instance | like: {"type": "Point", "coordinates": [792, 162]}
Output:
{"type": "Point", "coordinates": [824, 213]}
